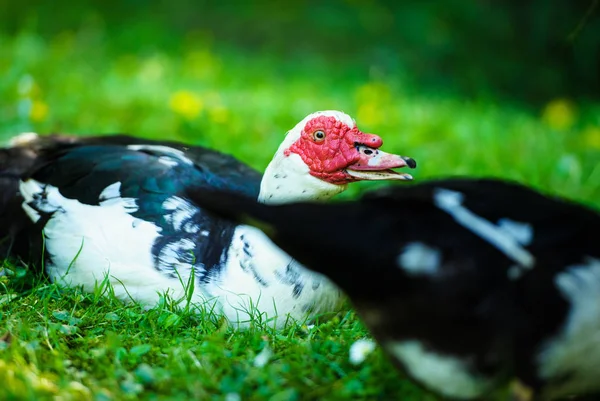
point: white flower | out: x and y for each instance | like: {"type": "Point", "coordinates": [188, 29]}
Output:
{"type": "Point", "coordinates": [360, 350]}
{"type": "Point", "coordinates": [263, 357]}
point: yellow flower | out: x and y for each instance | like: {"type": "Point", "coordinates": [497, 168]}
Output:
{"type": "Point", "coordinates": [372, 98]}
{"type": "Point", "coordinates": [369, 114]}
{"type": "Point", "coordinates": [591, 137]}
{"type": "Point", "coordinates": [186, 104]}
{"type": "Point", "coordinates": [38, 111]}
{"type": "Point", "coordinates": [559, 114]}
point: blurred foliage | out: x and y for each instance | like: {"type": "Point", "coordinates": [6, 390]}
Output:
{"type": "Point", "coordinates": [506, 89]}
{"type": "Point", "coordinates": [530, 51]}
{"type": "Point", "coordinates": [134, 71]}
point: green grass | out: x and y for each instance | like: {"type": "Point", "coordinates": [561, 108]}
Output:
{"type": "Point", "coordinates": [64, 343]}
{"type": "Point", "coordinates": [87, 346]}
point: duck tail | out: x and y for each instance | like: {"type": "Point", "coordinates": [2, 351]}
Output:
{"type": "Point", "coordinates": [16, 159]}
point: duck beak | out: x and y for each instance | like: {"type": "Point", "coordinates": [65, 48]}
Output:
{"type": "Point", "coordinates": [374, 164]}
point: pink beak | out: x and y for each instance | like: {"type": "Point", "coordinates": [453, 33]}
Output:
{"type": "Point", "coordinates": [375, 164]}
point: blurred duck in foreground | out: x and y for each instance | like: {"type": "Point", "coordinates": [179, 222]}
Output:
{"type": "Point", "coordinates": [113, 210]}
{"type": "Point", "coordinates": [467, 284]}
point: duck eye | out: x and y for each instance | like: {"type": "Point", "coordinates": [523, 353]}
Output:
{"type": "Point", "coordinates": [319, 136]}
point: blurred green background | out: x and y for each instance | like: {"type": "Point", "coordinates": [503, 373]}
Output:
{"type": "Point", "coordinates": [527, 50]}
{"type": "Point", "coordinates": [484, 87]}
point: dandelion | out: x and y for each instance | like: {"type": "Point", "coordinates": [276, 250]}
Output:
{"type": "Point", "coordinates": [263, 357]}
{"type": "Point", "coordinates": [360, 350]}
{"type": "Point", "coordinates": [186, 104]}
{"type": "Point", "coordinates": [559, 114]}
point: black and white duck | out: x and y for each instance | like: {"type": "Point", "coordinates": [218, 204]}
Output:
{"type": "Point", "coordinates": [114, 208]}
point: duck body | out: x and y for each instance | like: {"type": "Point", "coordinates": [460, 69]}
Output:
{"type": "Point", "coordinates": [117, 214]}
{"type": "Point", "coordinates": [30, 154]}
{"type": "Point", "coordinates": [467, 284]}
{"type": "Point", "coordinates": [113, 211]}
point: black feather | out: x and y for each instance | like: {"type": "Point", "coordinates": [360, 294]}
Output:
{"type": "Point", "coordinates": [470, 308]}
{"type": "Point", "coordinates": [81, 168]}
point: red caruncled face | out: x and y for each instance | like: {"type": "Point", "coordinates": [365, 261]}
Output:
{"type": "Point", "coordinates": [328, 147]}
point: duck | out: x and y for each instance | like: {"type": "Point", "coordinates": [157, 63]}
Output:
{"type": "Point", "coordinates": [112, 211]}
{"type": "Point", "coordinates": [469, 285]}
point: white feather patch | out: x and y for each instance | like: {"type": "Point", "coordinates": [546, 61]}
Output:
{"type": "Point", "coordinates": [168, 151]}
{"type": "Point", "coordinates": [521, 232]}
{"type": "Point", "coordinates": [112, 191]}
{"type": "Point", "coordinates": [419, 259]}
{"type": "Point", "coordinates": [91, 243]}
{"type": "Point", "coordinates": [444, 374]}
{"type": "Point", "coordinates": [46, 198]}
{"type": "Point", "coordinates": [170, 254]}
{"type": "Point", "coordinates": [181, 210]}
{"type": "Point", "coordinates": [503, 239]}
{"type": "Point", "coordinates": [574, 354]}
{"type": "Point", "coordinates": [23, 139]}
{"type": "Point", "coordinates": [167, 161]}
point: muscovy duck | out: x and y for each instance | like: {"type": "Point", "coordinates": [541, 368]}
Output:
{"type": "Point", "coordinates": [114, 208]}
{"type": "Point", "coordinates": [467, 284]}
{"type": "Point", "coordinates": [19, 236]}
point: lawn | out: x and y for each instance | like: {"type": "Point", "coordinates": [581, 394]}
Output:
{"type": "Point", "coordinates": [63, 344]}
